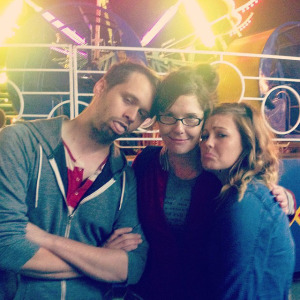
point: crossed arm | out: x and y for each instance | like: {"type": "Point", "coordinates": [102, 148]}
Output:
{"type": "Point", "coordinates": [62, 258]}
{"type": "Point", "coordinates": [45, 264]}
{"type": "Point", "coordinates": [56, 257]}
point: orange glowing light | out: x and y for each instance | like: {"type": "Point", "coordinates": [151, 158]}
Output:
{"type": "Point", "coordinates": [201, 25]}
{"type": "Point", "coordinates": [8, 20]}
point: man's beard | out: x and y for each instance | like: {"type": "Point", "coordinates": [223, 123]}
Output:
{"type": "Point", "coordinates": [104, 135]}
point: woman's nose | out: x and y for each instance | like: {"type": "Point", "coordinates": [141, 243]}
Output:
{"type": "Point", "coordinates": [208, 142]}
{"type": "Point", "coordinates": [178, 126]}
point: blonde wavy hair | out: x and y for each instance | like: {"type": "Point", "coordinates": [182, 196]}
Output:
{"type": "Point", "coordinates": [259, 157]}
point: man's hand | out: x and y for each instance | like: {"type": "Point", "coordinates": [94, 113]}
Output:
{"type": "Point", "coordinates": [281, 197]}
{"type": "Point", "coordinates": [123, 239]}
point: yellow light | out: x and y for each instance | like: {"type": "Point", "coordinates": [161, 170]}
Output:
{"type": "Point", "coordinates": [8, 20]}
{"type": "Point", "coordinates": [202, 27]}
{"type": "Point", "coordinates": [3, 78]}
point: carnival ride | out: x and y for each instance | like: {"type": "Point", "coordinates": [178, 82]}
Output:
{"type": "Point", "coordinates": [60, 51]}
{"type": "Point", "coordinates": [94, 23]}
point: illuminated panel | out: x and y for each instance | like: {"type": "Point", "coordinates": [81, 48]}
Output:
{"type": "Point", "coordinates": [67, 52]}
{"type": "Point", "coordinates": [167, 16]}
{"type": "Point", "coordinates": [73, 35]}
{"type": "Point", "coordinates": [60, 50]}
{"type": "Point", "coordinates": [57, 23]}
{"type": "Point", "coordinates": [33, 5]}
{"type": "Point", "coordinates": [48, 16]}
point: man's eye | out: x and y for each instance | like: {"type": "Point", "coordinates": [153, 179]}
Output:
{"type": "Point", "coordinates": [144, 114]}
{"type": "Point", "coordinates": [127, 100]}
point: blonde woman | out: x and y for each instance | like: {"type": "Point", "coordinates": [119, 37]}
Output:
{"type": "Point", "coordinates": [250, 251]}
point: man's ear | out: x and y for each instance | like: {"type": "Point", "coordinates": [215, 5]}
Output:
{"type": "Point", "coordinates": [99, 86]}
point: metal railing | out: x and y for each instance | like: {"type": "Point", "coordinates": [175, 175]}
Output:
{"type": "Point", "coordinates": [239, 74]}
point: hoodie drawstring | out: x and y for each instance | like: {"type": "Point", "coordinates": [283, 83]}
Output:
{"type": "Point", "coordinates": [38, 178]}
{"type": "Point", "coordinates": [123, 190]}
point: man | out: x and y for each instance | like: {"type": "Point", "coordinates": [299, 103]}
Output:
{"type": "Point", "coordinates": [66, 177]}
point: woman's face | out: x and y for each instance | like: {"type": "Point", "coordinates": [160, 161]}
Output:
{"type": "Point", "coordinates": [179, 138]}
{"type": "Point", "coordinates": [221, 143]}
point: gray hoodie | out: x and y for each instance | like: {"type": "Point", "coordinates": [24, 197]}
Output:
{"type": "Point", "coordinates": [33, 185]}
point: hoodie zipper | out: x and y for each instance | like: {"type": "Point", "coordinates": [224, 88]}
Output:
{"type": "Point", "coordinates": [69, 222]}
{"type": "Point", "coordinates": [84, 200]}
{"type": "Point", "coordinates": [68, 227]}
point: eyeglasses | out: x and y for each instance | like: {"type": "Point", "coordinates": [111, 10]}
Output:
{"type": "Point", "coordinates": [170, 120]}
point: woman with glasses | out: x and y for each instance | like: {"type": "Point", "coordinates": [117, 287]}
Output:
{"type": "Point", "coordinates": [170, 183]}
{"type": "Point", "coordinates": [174, 193]}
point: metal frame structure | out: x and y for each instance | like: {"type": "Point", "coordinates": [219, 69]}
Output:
{"type": "Point", "coordinates": [160, 60]}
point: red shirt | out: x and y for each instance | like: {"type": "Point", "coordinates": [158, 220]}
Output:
{"type": "Point", "coordinates": [76, 185]}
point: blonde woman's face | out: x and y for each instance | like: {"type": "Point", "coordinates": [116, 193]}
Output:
{"type": "Point", "coordinates": [221, 143]}
{"type": "Point", "coordinates": [179, 138]}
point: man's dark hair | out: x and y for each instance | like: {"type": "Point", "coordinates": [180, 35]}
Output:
{"type": "Point", "coordinates": [120, 72]}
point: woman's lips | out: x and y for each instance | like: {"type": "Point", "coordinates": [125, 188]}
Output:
{"type": "Point", "coordinates": [208, 155]}
{"type": "Point", "coordinates": [178, 140]}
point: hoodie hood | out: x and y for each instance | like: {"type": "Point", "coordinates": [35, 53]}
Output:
{"type": "Point", "coordinates": [47, 131]}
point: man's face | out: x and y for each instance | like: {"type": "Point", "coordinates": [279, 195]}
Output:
{"type": "Point", "coordinates": [121, 109]}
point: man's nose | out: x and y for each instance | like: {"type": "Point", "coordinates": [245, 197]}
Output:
{"type": "Point", "coordinates": [131, 114]}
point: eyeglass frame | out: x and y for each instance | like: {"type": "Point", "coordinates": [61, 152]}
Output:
{"type": "Point", "coordinates": [158, 117]}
